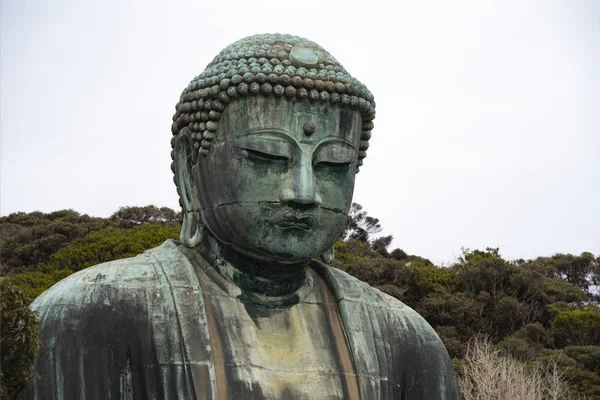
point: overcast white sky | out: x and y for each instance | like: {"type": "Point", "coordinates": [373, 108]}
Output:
{"type": "Point", "coordinates": [488, 113]}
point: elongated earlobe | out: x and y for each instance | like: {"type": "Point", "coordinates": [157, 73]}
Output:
{"type": "Point", "coordinates": [328, 256]}
{"type": "Point", "coordinates": [184, 157]}
{"type": "Point", "coordinates": [192, 229]}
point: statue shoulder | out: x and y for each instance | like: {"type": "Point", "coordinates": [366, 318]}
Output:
{"type": "Point", "coordinates": [117, 280]}
{"type": "Point", "coordinates": [390, 339]}
{"type": "Point", "coordinates": [352, 293]}
{"type": "Point", "coordinates": [112, 324]}
{"type": "Point", "coordinates": [347, 288]}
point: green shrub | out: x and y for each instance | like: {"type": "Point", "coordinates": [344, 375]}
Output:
{"type": "Point", "coordinates": [111, 244]}
{"type": "Point", "coordinates": [578, 327]}
{"type": "Point", "coordinates": [95, 248]}
{"type": "Point", "coordinates": [19, 341]}
{"type": "Point", "coordinates": [35, 283]}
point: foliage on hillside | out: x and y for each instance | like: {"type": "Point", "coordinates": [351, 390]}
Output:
{"type": "Point", "coordinates": [542, 311]}
{"type": "Point", "coordinates": [28, 240]}
{"type": "Point", "coordinates": [128, 232]}
{"type": "Point", "coordinates": [537, 311]}
{"type": "Point", "coordinates": [18, 341]}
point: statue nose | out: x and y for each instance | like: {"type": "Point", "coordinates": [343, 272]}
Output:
{"type": "Point", "coordinates": [302, 188]}
{"type": "Point", "coordinates": [289, 195]}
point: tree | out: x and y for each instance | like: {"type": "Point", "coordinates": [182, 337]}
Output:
{"type": "Point", "coordinates": [539, 311]}
{"type": "Point", "coordinates": [399, 254]}
{"type": "Point", "coordinates": [578, 327]}
{"type": "Point", "coordinates": [145, 215]}
{"type": "Point", "coordinates": [381, 244]}
{"type": "Point", "coordinates": [29, 239]}
{"type": "Point", "coordinates": [581, 271]}
{"type": "Point", "coordinates": [111, 244]}
{"type": "Point", "coordinates": [360, 226]}
{"type": "Point", "coordinates": [18, 341]}
{"type": "Point", "coordinates": [95, 248]}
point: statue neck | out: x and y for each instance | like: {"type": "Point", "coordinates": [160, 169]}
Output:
{"type": "Point", "coordinates": [252, 276]}
{"type": "Point", "coordinates": [263, 278]}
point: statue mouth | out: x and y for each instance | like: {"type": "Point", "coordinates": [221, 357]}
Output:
{"type": "Point", "coordinates": [290, 219]}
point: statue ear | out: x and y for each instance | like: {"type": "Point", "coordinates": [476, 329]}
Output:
{"type": "Point", "coordinates": [184, 158]}
{"type": "Point", "coordinates": [328, 256]}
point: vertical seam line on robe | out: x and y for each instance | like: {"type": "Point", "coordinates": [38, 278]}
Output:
{"type": "Point", "coordinates": [182, 348]}
{"type": "Point", "coordinates": [202, 300]}
{"type": "Point", "coordinates": [348, 377]}
{"type": "Point", "coordinates": [215, 344]}
{"type": "Point", "coordinates": [334, 284]}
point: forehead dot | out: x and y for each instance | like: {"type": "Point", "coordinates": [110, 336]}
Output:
{"type": "Point", "coordinates": [309, 128]}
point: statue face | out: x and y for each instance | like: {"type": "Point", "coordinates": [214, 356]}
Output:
{"type": "Point", "coordinates": [277, 183]}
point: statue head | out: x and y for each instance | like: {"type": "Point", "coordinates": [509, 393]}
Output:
{"type": "Point", "coordinates": [266, 145]}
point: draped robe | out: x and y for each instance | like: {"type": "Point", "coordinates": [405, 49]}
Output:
{"type": "Point", "coordinates": [152, 327]}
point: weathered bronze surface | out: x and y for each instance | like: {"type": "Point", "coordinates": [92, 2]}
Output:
{"type": "Point", "coordinates": [266, 144]}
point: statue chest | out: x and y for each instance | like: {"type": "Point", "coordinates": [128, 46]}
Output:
{"type": "Point", "coordinates": [152, 327]}
{"type": "Point", "coordinates": [296, 352]}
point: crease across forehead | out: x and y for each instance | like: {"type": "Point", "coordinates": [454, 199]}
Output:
{"type": "Point", "coordinates": [272, 131]}
{"type": "Point", "coordinates": [269, 114]}
{"type": "Point", "coordinates": [270, 136]}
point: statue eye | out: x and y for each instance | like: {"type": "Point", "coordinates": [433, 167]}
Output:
{"type": "Point", "coordinates": [334, 164]}
{"type": "Point", "coordinates": [263, 156]}
{"type": "Point", "coordinates": [263, 147]}
{"type": "Point", "coordinates": [334, 155]}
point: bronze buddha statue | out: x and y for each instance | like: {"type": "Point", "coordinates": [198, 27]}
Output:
{"type": "Point", "coordinates": [266, 144]}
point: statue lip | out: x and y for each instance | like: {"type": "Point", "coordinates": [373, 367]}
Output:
{"type": "Point", "coordinates": [291, 219]}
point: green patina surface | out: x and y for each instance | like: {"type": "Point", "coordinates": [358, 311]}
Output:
{"type": "Point", "coordinates": [266, 144]}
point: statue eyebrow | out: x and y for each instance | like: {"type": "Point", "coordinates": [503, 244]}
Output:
{"type": "Point", "coordinates": [270, 131]}
{"type": "Point", "coordinates": [270, 134]}
{"type": "Point", "coordinates": [336, 139]}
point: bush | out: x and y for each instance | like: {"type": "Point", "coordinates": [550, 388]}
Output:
{"type": "Point", "coordinates": [19, 341]}
{"type": "Point", "coordinates": [579, 327]}
{"type": "Point", "coordinates": [111, 244]}
{"type": "Point", "coordinates": [35, 283]}
{"type": "Point", "coordinates": [95, 248]}
{"type": "Point", "coordinates": [587, 356]}
{"type": "Point", "coordinates": [29, 239]}
{"type": "Point", "coordinates": [486, 374]}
